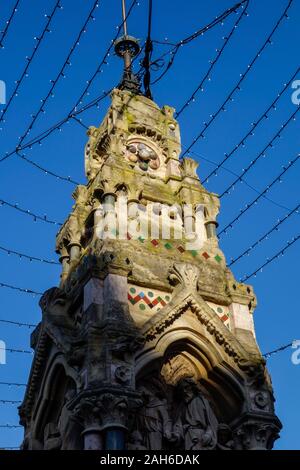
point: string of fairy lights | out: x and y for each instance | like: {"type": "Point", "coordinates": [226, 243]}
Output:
{"type": "Point", "coordinates": [17, 323]}
{"type": "Point", "coordinates": [29, 59]}
{"type": "Point", "coordinates": [8, 24]}
{"type": "Point", "coordinates": [262, 154]}
{"type": "Point", "coordinates": [27, 257]}
{"type": "Point", "coordinates": [237, 88]}
{"type": "Point", "coordinates": [264, 116]}
{"type": "Point", "coordinates": [35, 217]}
{"type": "Point", "coordinates": [76, 111]}
{"type": "Point", "coordinates": [248, 206]}
{"type": "Point", "coordinates": [62, 72]}
{"type": "Point", "coordinates": [277, 255]}
{"type": "Point", "coordinates": [207, 76]}
{"type": "Point", "coordinates": [265, 236]}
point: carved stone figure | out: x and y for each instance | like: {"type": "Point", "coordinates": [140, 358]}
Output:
{"type": "Point", "coordinates": [68, 424]}
{"type": "Point", "coordinates": [196, 423]}
{"type": "Point", "coordinates": [225, 438]}
{"type": "Point", "coordinates": [153, 419]}
{"type": "Point", "coordinates": [52, 437]}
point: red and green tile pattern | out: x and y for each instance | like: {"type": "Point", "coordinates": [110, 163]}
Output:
{"type": "Point", "coordinates": [180, 247]}
{"type": "Point", "coordinates": [147, 300]}
{"type": "Point", "coordinates": [222, 312]}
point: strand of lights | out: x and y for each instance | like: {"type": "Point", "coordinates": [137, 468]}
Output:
{"type": "Point", "coordinates": [29, 59]}
{"type": "Point", "coordinates": [254, 125]}
{"type": "Point", "coordinates": [237, 87]}
{"type": "Point", "coordinates": [10, 402]}
{"type": "Point", "coordinates": [276, 351]}
{"type": "Point", "coordinates": [277, 204]}
{"type": "Point", "coordinates": [45, 134]}
{"type": "Point", "coordinates": [104, 59]}
{"type": "Point", "coordinates": [30, 258]}
{"type": "Point", "coordinates": [270, 260]}
{"type": "Point", "coordinates": [13, 384]}
{"type": "Point", "coordinates": [20, 289]}
{"type": "Point", "coordinates": [9, 448]}
{"type": "Point", "coordinates": [8, 23]}
{"type": "Point", "coordinates": [21, 351]}
{"type": "Point", "coordinates": [173, 52]}
{"type": "Point", "coordinates": [213, 62]}
{"type": "Point", "coordinates": [17, 323]}
{"type": "Point", "coordinates": [266, 235]}
{"type": "Point", "coordinates": [255, 201]}
{"type": "Point", "coordinates": [74, 112]}
{"type": "Point", "coordinates": [68, 179]}
{"type": "Point", "coordinates": [28, 212]}
{"type": "Point", "coordinates": [263, 153]}
{"type": "Point", "coordinates": [10, 426]}
{"type": "Point", "coordinates": [61, 74]}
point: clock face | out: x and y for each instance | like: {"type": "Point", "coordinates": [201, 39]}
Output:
{"type": "Point", "coordinates": [142, 155]}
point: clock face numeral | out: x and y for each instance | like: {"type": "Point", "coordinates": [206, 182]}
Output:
{"type": "Point", "coordinates": [143, 155]}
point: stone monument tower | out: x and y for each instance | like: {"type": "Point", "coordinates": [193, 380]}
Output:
{"type": "Point", "coordinates": [149, 341]}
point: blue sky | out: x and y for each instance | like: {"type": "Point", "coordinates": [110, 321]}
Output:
{"type": "Point", "coordinates": [277, 316]}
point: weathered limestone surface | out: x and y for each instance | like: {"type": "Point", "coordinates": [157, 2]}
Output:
{"type": "Point", "coordinates": [148, 342]}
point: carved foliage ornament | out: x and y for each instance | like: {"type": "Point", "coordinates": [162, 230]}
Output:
{"type": "Point", "coordinates": [185, 274]}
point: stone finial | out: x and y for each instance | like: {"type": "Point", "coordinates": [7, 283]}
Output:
{"type": "Point", "coordinates": [189, 166]}
{"type": "Point", "coordinates": [184, 274]}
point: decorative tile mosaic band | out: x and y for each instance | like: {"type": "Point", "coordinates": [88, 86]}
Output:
{"type": "Point", "coordinates": [173, 246]}
{"type": "Point", "coordinates": [222, 312]}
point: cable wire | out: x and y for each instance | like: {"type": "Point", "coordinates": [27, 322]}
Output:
{"type": "Point", "coordinates": [148, 55]}
{"type": "Point", "coordinates": [61, 73]}
{"type": "Point", "coordinates": [216, 59]}
{"type": "Point", "coordinates": [16, 323]}
{"type": "Point", "coordinates": [282, 348]}
{"type": "Point", "coordinates": [254, 125]}
{"type": "Point", "coordinates": [13, 384]}
{"type": "Point", "coordinates": [281, 252]}
{"type": "Point", "coordinates": [73, 112]}
{"type": "Point", "coordinates": [254, 202]}
{"type": "Point", "coordinates": [262, 153]}
{"type": "Point", "coordinates": [30, 213]}
{"type": "Point", "coordinates": [10, 426]}
{"type": "Point", "coordinates": [30, 258]}
{"type": "Point", "coordinates": [20, 289]}
{"type": "Point", "coordinates": [39, 40]}
{"type": "Point", "coordinates": [265, 236]}
{"type": "Point", "coordinates": [237, 87]}
{"type": "Point", "coordinates": [277, 204]}
{"type": "Point", "coordinates": [10, 402]}
{"type": "Point", "coordinates": [173, 52]}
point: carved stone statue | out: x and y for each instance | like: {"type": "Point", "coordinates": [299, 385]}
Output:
{"type": "Point", "coordinates": [136, 441]}
{"type": "Point", "coordinates": [225, 438]}
{"type": "Point", "coordinates": [68, 424]}
{"type": "Point", "coordinates": [52, 438]}
{"type": "Point", "coordinates": [153, 419]}
{"type": "Point", "coordinates": [196, 423]}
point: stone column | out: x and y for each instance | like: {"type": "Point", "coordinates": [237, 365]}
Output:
{"type": "Point", "coordinates": [88, 410]}
{"type": "Point", "coordinates": [64, 260]}
{"type": "Point", "coordinates": [211, 229]}
{"type": "Point", "coordinates": [93, 439]}
{"type": "Point", "coordinates": [110, 225]}
{"type": "Point", "coordinates": [75, 249]}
